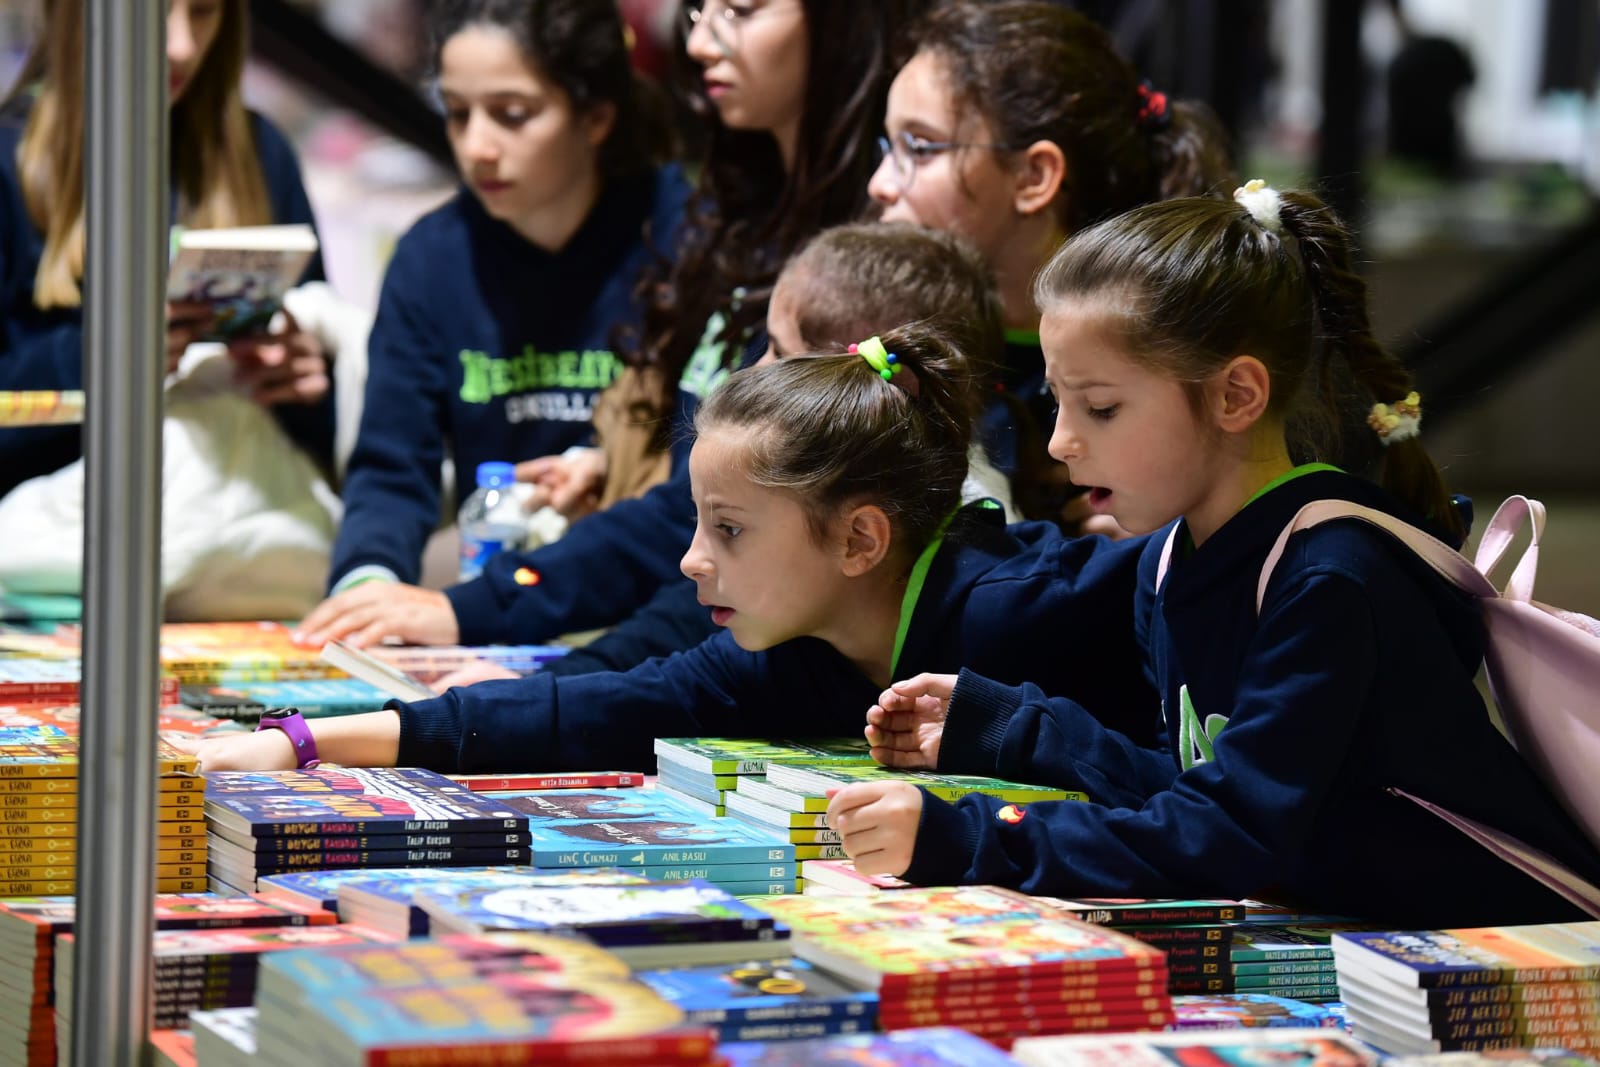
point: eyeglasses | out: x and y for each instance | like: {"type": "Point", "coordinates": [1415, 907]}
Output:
{"type": "Point", "coordinates": [725, 20]}
{"type": "Point", "coordinates": [910, 152]}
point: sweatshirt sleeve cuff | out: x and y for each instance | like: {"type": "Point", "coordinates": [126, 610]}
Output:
{"type": "Point", "coordinates": [430, 733]}
{"type": "Point", "coordinates": [476, 611]}
{"type": "Point", "coordinates": [945, 845]}
{"type": "Point", "coordinates": [367, 572]}
{"type": "Point", "coordinates": [975, 724]}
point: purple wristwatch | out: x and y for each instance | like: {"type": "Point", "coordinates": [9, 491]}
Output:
{"type": "Point", "coordinates": [290, 721]}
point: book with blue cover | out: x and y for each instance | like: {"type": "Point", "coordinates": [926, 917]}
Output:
{"type": "Point", "coordinates": [611, 915]}
{"type": "Point", "coordinates": [737, 997]}
{"type": "Point", "coordinates": [1492, 955]}
{"type": "Point", "coordinates": [389, 903]}
{"type": "Point", "coordinates": [635, 828]}
{"type": "Point", "coordinates": [357, 800]}
{"type": "Point", "coordinates": [934, 1046]}
{"type": "Point", "coordinates": [315, 697]}
{"type": "Point", "coordinates": [320, 889]}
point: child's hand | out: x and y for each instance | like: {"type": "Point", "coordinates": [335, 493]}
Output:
{"type": "Point", "coordinates": [571, 483]}
{"type": "Point", "coordinates": [288, 367]}
{"type": "Point", "coordinates": [187, 322]}
{"type": "Point", "coordinates": [906, 724]}
{"type": "Point", "coordinates": [265, 750]}
{"type": "Point", "coordinates": [877, 824]}
{"type": "Point", "coordinates": [367, 613]}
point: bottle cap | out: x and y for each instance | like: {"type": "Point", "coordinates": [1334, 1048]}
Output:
{"type": "Point", "coordinates": [496, 475]}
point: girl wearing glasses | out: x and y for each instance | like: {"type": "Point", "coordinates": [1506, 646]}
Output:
{"type": "Point", "coordinates": [1015, 124]}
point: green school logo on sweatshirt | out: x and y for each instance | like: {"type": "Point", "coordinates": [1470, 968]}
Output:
{"type": "Point", "coordinates": [705, 369]}
{"type": "Point", "coordinates": [1195, 742]}
{"type": "Point", "coordinates": [485, 378]}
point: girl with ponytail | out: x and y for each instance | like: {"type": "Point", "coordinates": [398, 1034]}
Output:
{"type": "Point", "coordinates": [1192, 346]}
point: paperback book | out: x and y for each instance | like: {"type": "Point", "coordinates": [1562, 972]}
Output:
{"type": "Point", "coordinates": [820, 779]}
{"type": "Point", "coordinates": [356, 800]}
{"type": "Point", "coordinates": [241, 273]}
{"type": "Point", "coordinates": [743, 998]}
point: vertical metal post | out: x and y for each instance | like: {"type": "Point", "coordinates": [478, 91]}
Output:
{"type": "Point", "coordinates": [125, 199]}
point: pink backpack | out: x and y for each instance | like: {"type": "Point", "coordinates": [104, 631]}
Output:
{"type": "Point", "coordinates": [1543, 667]}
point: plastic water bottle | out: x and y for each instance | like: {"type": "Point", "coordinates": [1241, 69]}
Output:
{"type": "Point", "coordinates": [491, 519]}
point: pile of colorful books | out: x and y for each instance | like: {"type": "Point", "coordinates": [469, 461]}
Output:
{"type": "Point", "coordinates": [991, 961]}
{"type": "Point", "coordinates": [708, 770]}
{"type": "Point", "coordinates": [39, 809]}
{"type": "Point", "coordinates": [387, 902]}
{"type": "Point", "coordinates": [517, 999]}
{"type": "Point", "coordinates": [265, 823]}
{"type": "Point", "coordinates": [653, 833]}
{"type": "Point", "coordinates": [1501, 987]}
{"type": "Point", "coordinates": [28, 929]}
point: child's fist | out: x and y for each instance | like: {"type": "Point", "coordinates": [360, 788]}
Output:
{"type": "Point", "coordinates": [877, 824]}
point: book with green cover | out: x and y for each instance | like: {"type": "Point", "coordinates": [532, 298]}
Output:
{"type": "Point", "coordinates": [945, 786]}
{"type": "Point", "coordinates": [751, 755]}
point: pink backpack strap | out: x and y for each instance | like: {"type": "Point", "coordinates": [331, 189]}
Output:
{"type": "Point", "coordinates": [1503, 528]}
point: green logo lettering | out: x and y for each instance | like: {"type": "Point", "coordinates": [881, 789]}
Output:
{"type": "Point", "coordinates": [1196, 742]}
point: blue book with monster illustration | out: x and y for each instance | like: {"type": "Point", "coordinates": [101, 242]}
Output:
{"type": "Point", "coordinates": [737, 997]}
{"type": "Point", "coordinates": [635, 828]}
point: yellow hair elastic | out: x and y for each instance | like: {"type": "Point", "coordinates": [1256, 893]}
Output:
{"type": "Point", "coordinates": [885, 362]}
{"type": "Point", "coordinates": [1399, 421]}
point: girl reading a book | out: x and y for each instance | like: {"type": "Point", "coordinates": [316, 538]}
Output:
{"type": "Point", "coordinates": [791, 93]}
{"type": "Point", "coordinates": [494, 326]}
{"type": "Point", "coordinates": [831, 548]}
{"type": "Point", "coordinates": [1191, 346]}
{"type": "Point", "coordinates": [230, 167]}
{"type": "Point", "coordinates": [983, 76]}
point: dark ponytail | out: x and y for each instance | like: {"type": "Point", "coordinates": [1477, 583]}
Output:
{"type": "Point", "coordinates": [1340, 297]}
{"type": "Point", "coordinates": [1190, 153]}
{"type": "Point", "coordinates": [832, 431]}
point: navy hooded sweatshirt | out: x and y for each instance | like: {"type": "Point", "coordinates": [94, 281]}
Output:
{"type": "Point", "coordinates": [44, 349]}
{"type": "Point", "coordinates": [994, 597]}
{"type": "Point", "coordinates": [490, 348]}
{"type": "Point", "coordinates": [1357, 676]}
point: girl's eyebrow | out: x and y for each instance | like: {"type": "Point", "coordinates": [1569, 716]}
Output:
{"type": "Point", "coordinates": [1079, 386]}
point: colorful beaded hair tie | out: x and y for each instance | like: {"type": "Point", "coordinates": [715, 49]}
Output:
{"type": "Point", "coordinates": [1399, 421]}
{"type": "Point", "coordinates": [886, 363]}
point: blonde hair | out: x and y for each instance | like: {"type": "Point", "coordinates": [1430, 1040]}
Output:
{"type": "Point", "coordinates": [215, 167]}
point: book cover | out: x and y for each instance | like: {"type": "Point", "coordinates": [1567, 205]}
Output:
{"type": "Point", "coordinates": [841, 876]}
{"type": "Point", "coordinates": [359, 663]}
{"type": "Point", "coordinates": [389, 800]}
{"type": "Point", "coordinates": [737, 756]}
{"type": "Point", "coordinates": [1131, 912]}
{"type": "Point", "coordinates": [390, 902]}
{"type": "Point", "coordinates": [1518, 1057]}
{"type": "Point", "coordinates": [320, 889]}
{"type": "Point", "coordinates": [224, 1035]}
{"type": "Point", "coordinates": [1254, 942]}
{"type": "Point", "coordinates": [1216, 1048]}
{"type": "Point", "coordinates": [242, 273]}
{"type": "Point", "coordinates": [820, 779]}
{"type": "Point", "coordinates": [428, 663]}
{"type": "Point", "coordinates": [633, 828]}
{"type": "Point", "coordinates": [760, 798]}
{"type": "Point", "coordinates": [609, 915]}
{"type": "Point", "coordinates": [1246, 1011]}
{"type": "Point", "coordinates": [929, 1047]}
{"type": "Point", "coordinates": [760, 991]}
{"type": "Point", "coordinates": [1549, 952]}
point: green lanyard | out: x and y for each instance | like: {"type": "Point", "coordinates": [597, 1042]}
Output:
{"type": "Point", "coordinates": [919, 576]}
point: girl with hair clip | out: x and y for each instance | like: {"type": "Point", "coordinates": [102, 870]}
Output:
{"type": "Point", "coordinates": [832, 548]}
{"type": "Point", "coordinates": [1190, 345]}
{"type": "Point", "coordinates": [792, 92]}
{"type": "Point", "coordinates": [230, 167]}
{"type": "Point", "coordinates": [1016, 124]}
{"type": "Point", "coordinates": [493, 332]}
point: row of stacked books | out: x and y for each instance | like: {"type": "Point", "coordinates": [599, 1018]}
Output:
{"type": "Point", "coordinates": [194, 943]}
{"type": "Point", "coordinates": [39, 813]}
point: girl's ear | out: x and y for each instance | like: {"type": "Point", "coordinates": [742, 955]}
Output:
{"type": "Point", "coordinates": [1240, 393]}
{"type": "Point", "coordinates": [598, 121]}
{"type": "Point", "coordinates": [1041, 173]}
{"type": "Point", "coordinates": [867, 535]}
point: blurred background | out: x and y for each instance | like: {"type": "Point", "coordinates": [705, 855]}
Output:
{"type": "Point", "coordinates": [1461, 137]}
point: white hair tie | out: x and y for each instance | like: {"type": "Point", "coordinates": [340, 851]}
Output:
{"type": "Point", "coordinates": [1263, 203]}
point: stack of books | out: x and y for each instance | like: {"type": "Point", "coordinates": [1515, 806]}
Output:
{"type": "Point", "coordinates": [1501, 987]}
{"type": "Point", "coordinates": [840, 878]}
{"type": "Point", "coordinates": [388, 903]}
{"type": "Point", "coordinates": [655, 924]}
{"type": "Point", "coordinates": [991, 961]}
{"type": "Point", "coordinates": [225, 1037]}
{"type": "Point", "coordinates": [766, 1000]}
{"type": "Point", "coordinates": [1319, 1048]}
{"type": "Point", "coordinates": [274, 822]}
{"type": "Point", "coordinates": [1196, 935]}
{"type": "Point", "coordinates": [467, 1000]}
{"type": "Point", "coordinates": [39, 811]}
{"type": "Point", "coordinates": [928, 1047]}
{"type": "Point", "coordinates": [319, 890]}
{"type": "Point", "coordinates": [41, 407]}
{"type": "Point", "coordinates": [28, 928]}
{"type": "Point", "coordinates": [792, 798]}
{"type": "Point", "coordinates": [27, 680]}
{"type": "Point", "coordinates": [652, 833]}
{"type": "Point", "coordinates": [708, 770]}
{"type": "Point", "coordinates": [315, 697]}
{"type": "Point", "coordinates": [199, 969]}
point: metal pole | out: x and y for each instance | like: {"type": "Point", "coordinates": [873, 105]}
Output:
{"type": "Point", "coordinates": [125, 199]}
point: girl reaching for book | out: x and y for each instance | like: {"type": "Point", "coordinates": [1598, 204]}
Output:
{"type": "Point", "coordinates": [831, 547]}
{"type": "Point", "coordinates": [1190, 346]}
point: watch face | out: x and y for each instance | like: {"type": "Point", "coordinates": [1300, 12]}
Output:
{"type": "Point", "coordinates": [280, 713]}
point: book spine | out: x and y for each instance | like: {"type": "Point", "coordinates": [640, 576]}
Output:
{"type": "Point", "coordinates": [689, 1047]}
{"type": "Point", "coordinates": [659, 855]}
{"type": "Point", "coordinates": [1241, 954]}
{"type": "Point", "coordinates": [485, 783]}
{"type": "Point", "coordinates": [359, 827]}
{"type": "Point", "coordinates": [797, 1030]}
{"type": "Point", "coordinates": [655, 932]}
{"type": "Point", "coordinates": [275, 863]}
{"type": "Point", "coordinates": [861, 1008]}
{"type": "Point", "coordinates": [1107, 974]}
{"type": "Point", "coordinates": [346, 843]}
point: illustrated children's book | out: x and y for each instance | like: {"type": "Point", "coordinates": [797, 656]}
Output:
{"type": "Point", "coordinates": [356, 800]}
{"type": "Point", "coordinates": [1550, 952]}
{"type": "Point", "coordinates": [778, 999]}
{"type": "Point", "coordinates": [241, 272]}
{"type": "Point", "coordinates": [929, 1047]}
{"type": "Point", "coordinates": [820, 779]}
{"type": "Point", "coordinates": [315, 697]}
{"type": "Point", "coordinates": [389, 903]}
{"type": "Point", "coordinates": [1249, 1011]}
{"type": "Point", "coordinates": [725, 756]}
{"type": "Point", "coordinates": [320, 889]}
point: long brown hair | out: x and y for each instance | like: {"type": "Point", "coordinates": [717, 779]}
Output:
{"type": "Point", "coordinates": [216, 170]}
{"type": "Point", "coordinates": [747, 215]}
{"type": "Point", "coordinates": [1037, 71]}
{"type": "Point", "coordinates": [1192, 283]}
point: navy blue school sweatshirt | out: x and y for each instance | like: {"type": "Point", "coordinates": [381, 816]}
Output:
{"type": "Point", "coordinates": [487, 347]}
{"type": "Point", "coordinates": [44, 349]}
{"type": "Point", "coordinates": [1357, 676]}
{"type": "Point", "coordinates": [1015, 602]}
{"type": "Point", "coordinates": [620, 566]}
